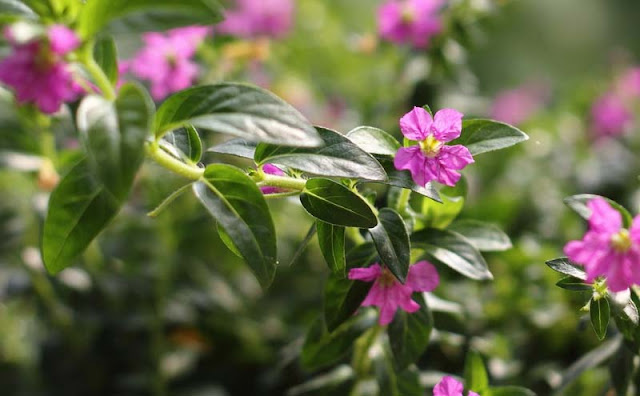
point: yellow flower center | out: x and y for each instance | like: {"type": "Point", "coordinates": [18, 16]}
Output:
{"type": "Point", "coordinates": [620, 241]}
{"type": "Point", "coordinates": [431, 146]}
{"type": "Point", "coordinates": [407, 15]}
{"type": "Point", "coordinates": [45, 59]}
{"type": "Point", "coordinates": [386, 279]}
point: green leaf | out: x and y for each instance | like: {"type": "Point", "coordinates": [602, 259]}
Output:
{"type": "Point", "coordinates": [336, 204]}
{"type": "Point", "coordinates": [511, 391]}
{"type": "Point", "coordinates": [475, 374]}
{"type": "Point", "coordinates": [237, 147]}
{"type": "Point", "coordinates": [187, 143]}
{"type": "Point", "coordinates": [15, 9]}
{"type": "Point", "coordinates": [430, 213]}
{"type": "Point", "coordinates": [621, 370]}
{"type": "Point", "coordinates": [106, 56]}
{"type": "Point", "coordinates": [409, 333]}
{"type": "Point", "coordinates": [481, 136]}
{"type": "Point", "coordinates": [331, 241]}
{"type": "Point", "coordinates": [392, 242]}
{"type": "Point", "coordinates": [342, 297]}
{"type": "Point", "coordinates": [483, 236]}
{"type": "Point", "coordinates": [322, 348]}
{"type": "Point", "coordinates": [374, 140]}
{"type": "Point", "coordinates": [338, 157]}
{"type": "Point", "coordinates": [237, 204]}
{"type": "Point", "coordinates": [600, 312]}
{"type": "Point", "coordinates": [573, 284]}
{"type": "Point", "coordinates": [114, 134]}
{"type": "Point", "coordinates": [402, 179]}
{"type": "Point", "coordinates": [454, 250]}
{"type": "Point", "coordinates": [564, 266]}
{"type": "Point", "coordinates": [145, 15]}
{"type": "Point", "coordinates": [579, 204]}
{"type": "Point", "coordinates": [79, 208]}
{"type": "Point", "coordinates": [243, 110]}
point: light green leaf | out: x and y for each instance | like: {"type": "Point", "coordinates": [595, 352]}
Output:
{"type": "Point", "coordinates": [599, 312]}
{"type": "Point", "coordinates": [475, 374]}
{"type": "Point", "coordinates": [481, 136]}
{"type": "Point", "coordinates": [374, 140]}
{"type": "Point", "coordinates": [106, 56]}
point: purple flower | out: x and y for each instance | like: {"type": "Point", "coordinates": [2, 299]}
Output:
{"type": "Point", "coordinates": [37, 71]}
{"type": "Point", "coordinates": [610, 115]}
{"type": "Point", "coordinates": [272, 170]}
{"type": "Point", "coordinates": [607, 249]}
{"type": "Point", "coordinates": [253, 18]}
{"type": "Point", "coordinates": [518, 105]}
{"type": "Point", "coordinates": [449, 386]}
{"type": "Point", "coordinates": [431, 159]}
{"type": "Point", "coordinates": [410, 21]}
{"type": "Point", "coordinates": [166, 59]}
{"type": "Point", "coordinates": [389, 294]}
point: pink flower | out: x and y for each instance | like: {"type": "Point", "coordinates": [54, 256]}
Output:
{"type": "Point", "coordinates": [410, 21]}
{"type": "Point", "coordinates": [37, 71]}
{"type": "Point", "coordinates": [166, 59]}
{"type": "Point", "coordinates": [389, 294]}
{"type": "Point", "coordinates": [518, 105]}
{"type": "Point", "coordinates": [272, 170]}
{"type": "Point", "coordinates": [629, 83]}
{"type": "Point", "coordinates": [254, 18]}
{"type": "Point", "coordinates": [607, 249]}
{"type": "Point", "coordinates": [449, 386]}
{"type": "Point", "coordinates": [610, 115]}
{"type": "Point", "coordinates": [431, 159]}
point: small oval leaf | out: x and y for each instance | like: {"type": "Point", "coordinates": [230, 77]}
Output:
{"type": "Point", "coordinates": [600, 313]}
{"type": "Point", "coordinates": [106, 56]}
{"type": "Point", "coordinates": [573, 284]}
{"type": "Point", "coordinates": [481, 136]}
{"type": "Point", "coordinates": [374, 140]}
{"type": "Point", "coordinates": [485, 237]}
{"type": "Point", "coordinates": [392, 242]}
{"type": "Point", "coordinates": [564, 266]}
{"type": "Point", "coordinates": [331, 241]}
{"type": "Point", "coordinates": [187, 141]}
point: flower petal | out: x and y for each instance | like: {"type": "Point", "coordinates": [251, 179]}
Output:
{"type": "Point", "coordinates": [62, 39]}
{"type": "Point", "coordinates": [455, 157]}
{"type": "Point", "coordinates": [412, 159]}
{"type": "Point", "coordinates": [367, 274]}
{"type": "Point", "coordinates": [447, 124]}
{"type": "Point", "coordinates": [422, 277]}
{"type": "Point", "coordinates": [415, 125]}
{"type": "Point", "coordinates": [603, 219]}
{"type": "Point", "coordinates": [448, 386]}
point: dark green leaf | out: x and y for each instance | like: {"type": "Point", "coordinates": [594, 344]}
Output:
{"type": "Point", "coordinates": [392, 242]}
{"type": "Point", "coordinates": [475, 374]}
{"type": "Point", "coordinates": [403, 179]}
{"type": "Point", "coordinates": [14, 9]}
{"type": "Point", "coordinates": [511, 391]}
{"type": "Point", "coordinates": [331, 241]}
{"type": "Point", "coordinates": [145, 15]}
{"type": "Point", "coordinates": [374, 140]}
{"type": "Point", "coordinates": [574, 284]}
{"type": "Point", "coordinates": [187, 141]}
{"type": "Point", "coordinates": [336, 204]}
{"type": "Point", "coordinates": [409, 333]}
{"type": "Point", "coordinates": [243, 110]}
{"type": "Point", "coordinates": [453, 250]}
{"type": "Point", "coordinates": [338, 157]}
{"type": "Point", "coordinates": [114, 135]}
{"type": "Point", "coordinates": [579, 204]}
{"type": "Point", "coordinates": [409, 382]}
{"type": "Point", "coordinates": [564, 266]}
{"type": "Point", "coordinates": [235, 201]}
{"type": "Point", "coordinates": [238, 147]}
{"type": "Point", "coordinates": [481, 136]}
{"type": "Point", "coordinates": [79, 208]}
{"type": "Point", "coordinates": [484, 236]}
{"type": "Point", "coordinates": [106, 55]}
{"type": "Point", "coordinates": [599, 312]}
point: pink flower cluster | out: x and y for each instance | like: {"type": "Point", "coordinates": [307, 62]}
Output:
{"type": "Point", "coordinates": [608, 249]}
{"type": "Point", "coordinates": [410, 21]}
{"type": "Point", "coordinates": [166, 60]}
{"type": "Point", "coordinates": [389, 294]}
{"type": "Point", "coordinates": [254, 18]}
{"type": "Point", "coordinates": [431, 159]}
{"type": "Point", "coordinates": [449, 386]}
{"type": "Point", "coordinates": [518, 105]}
{"type": "Point", "coordinates": [37, 71]}
{"type": "Point", "coordinates": [611, 112]}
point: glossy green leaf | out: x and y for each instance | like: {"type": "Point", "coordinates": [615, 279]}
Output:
{"type": "Point", "coordinates": [336, 204]}
{"type": "Point", "coordinates": [237, 147]}
{"type": "Point", "coordinates": [15, 9]}
{"type": "Point", "coordinates": [475, 374]}
{"type": "Point", "coordinates": [573, 284]}
{"type": "Point", "coordinates": [243, 110]}
{"type": "Point", "coordinates": [564, 266]}
{"type": "Point", "coordinates": [579, 204]}
{"type": "Point", "coordinates": [187, 143]}
{"type": "Point", "coordinates": [599, 312]}
{"type": "Point", "coordinates": [238, 206]}
{"type": "Point", "coordinates": [338, 157]}
{"type": "Point", "coordinates": [402, 179]}
{"type": "Point", "coordinates": [331, 241]}
{"type": "Point", "coordinates": [409, 333]}
{"type": "Point", "coordinates": [106, 56]}
{"type": "Point", "coordinates": [454, 250]}
{"type": "Point", "coordinates": [374, 140]}
{"type": "Point", "coordinates": [79, 208]}
{"type": "Point", "coordinates": [511, 391]}
{"type": "Point", "coordinates": [145, 15]}
{"type": "Point", "coordinates": [392, 242]}
{"type": "Point", "coordinates": [481, 136]}
{"type": "Point", "coordinates": [483, 236]}
{"type": "Point", "coordinates": [322, 348]}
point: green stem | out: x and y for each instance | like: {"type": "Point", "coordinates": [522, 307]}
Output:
{"type": "Point", "coordinates": [281, 181]}
{"type": "Point", "coordinates": [96, 72]}
{"type": "Point", "coordinates": [403, 200]}
{"type": "Point", "coordinates": [167, 161]}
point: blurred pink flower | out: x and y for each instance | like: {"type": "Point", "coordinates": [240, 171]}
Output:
{"type": "Point", "coordinates": [517, 105]}
{"type": "Point", "coordinates": [607, 249]}
{"type": "Point", "coordinates": [389, 294]}
{"type": "Point", "coordinates": [629, 83]}
{"type": "Point", "coordinates": [610, 115]}
{"type": "Point", "coordinates": [271, 169]}
{"type": "Point", "coordinates": [431, 159]}
{"type": "Point", "coordinates": [37, 71]}
{"type": "Point", "coordinates": [410, 21]}
{"type": "Point", "coordinates": [253, 18]}
{"type": "Point", "coordinates": [166, 59]}
{"type": "Point", "coordinates": [449, 386]}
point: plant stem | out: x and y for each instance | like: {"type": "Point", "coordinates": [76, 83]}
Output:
{"type": "Point", "coordinates": [403, 200]}
{"type": "Point", "coordinates": [281, 181]}
{"type": "Point", "coordinates": [167, 161]}
{"type": "Point", "coordinates": [96, 72]}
